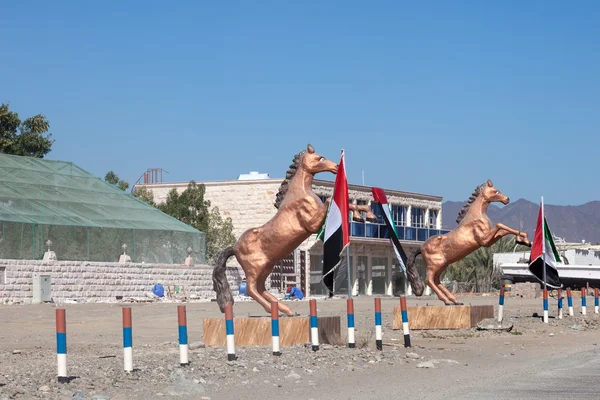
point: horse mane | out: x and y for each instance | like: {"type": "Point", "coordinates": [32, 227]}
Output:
{"type": "Point", "coordinates": [283, 188]}
{"type": "Point", "coordinates": [470, 202]}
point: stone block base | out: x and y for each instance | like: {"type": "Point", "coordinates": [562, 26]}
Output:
{"type": "Point", "coordinates": [256, 331]}
{"type": "Point", "coordinates": [443, 317]}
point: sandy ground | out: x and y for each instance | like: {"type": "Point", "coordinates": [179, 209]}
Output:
{"type": "Point", "coordinates": [533, 361]}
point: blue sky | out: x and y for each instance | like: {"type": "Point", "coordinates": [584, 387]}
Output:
{"type": "Point", "coordinates": [432, 96]}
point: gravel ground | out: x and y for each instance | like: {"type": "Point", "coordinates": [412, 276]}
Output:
{"type": "Point", "coordinates": [438, 362]}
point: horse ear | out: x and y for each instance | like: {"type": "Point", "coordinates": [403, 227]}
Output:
{"type": "Point", "coordinates": [490, 184]}
{"type": "Point", "coordinates": [310, 148]}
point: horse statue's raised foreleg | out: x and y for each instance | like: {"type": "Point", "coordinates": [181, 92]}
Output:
{"type": "Point", "coordinates": [356, 210]}
{"type": "Point", "coordinates": [501, 230]}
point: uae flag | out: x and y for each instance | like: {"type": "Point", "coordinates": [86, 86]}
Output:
{"type": "Point", "coordinates": [379, 197]}
{"type": "Point", "coordinates": [335, 234]}
{"type": "Point", "coordinates": [544, 253]}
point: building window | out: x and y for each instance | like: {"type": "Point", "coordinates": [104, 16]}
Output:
{"type": "Point", "coordinates": [361, 203]}
{"type": "Point", "coordinates": [418, 217]}
{"type": "Point", "coordinates": [433, 218]}
{"type": "Point", "coordinates": [399, 215]}
{"type": "Point", "coordinates": [375, 209]}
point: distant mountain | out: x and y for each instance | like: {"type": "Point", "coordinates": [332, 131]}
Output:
{"type": "Point", "coordinates": [572, 223]}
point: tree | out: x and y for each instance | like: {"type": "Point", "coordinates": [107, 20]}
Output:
{"type": "Point", "coordinates": [218, 236]}
{"type": "Point", "coordinates": [145, 195]}
{"type": "Point", "coordinates": [191, 208]}
{"type": "Point", "coordinates": [24, 138]}
{"type": "Point", "coordinates": [476, 272]}
{"type": "Point", "coordinates": [114, 180]}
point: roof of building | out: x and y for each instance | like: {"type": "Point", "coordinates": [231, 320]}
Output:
{"type": "Point", "coordinates": [318, 182]}
{"type": "Point", "coordinates": [46, 192]}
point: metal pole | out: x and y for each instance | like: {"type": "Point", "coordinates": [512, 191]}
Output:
{"type": "Point", "coordinates": [545, 296]}
{"type": "Point", "coordinates": [348, 266]}
{"type": "Point", "coordinates": [544, 242]}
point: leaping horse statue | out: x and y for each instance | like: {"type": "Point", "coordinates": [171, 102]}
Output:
{"type": "Point", "coordinates": [300, 214]}
{"type": "Point", "coordinates": [474, 231]}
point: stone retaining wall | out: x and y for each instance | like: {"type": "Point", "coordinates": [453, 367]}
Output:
{"type": "Point", "coordinates": [530, 290]}
{"type": "Point", "coordinates": [102, 281]}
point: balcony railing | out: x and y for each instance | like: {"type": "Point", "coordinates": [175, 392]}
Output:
{"type": "Point", "coordinates": [380, 231]}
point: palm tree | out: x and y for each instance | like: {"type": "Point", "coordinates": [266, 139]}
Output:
{"type": "Point", "coordinates": [476, 272]}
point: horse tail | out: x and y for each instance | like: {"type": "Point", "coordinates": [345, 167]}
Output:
{"type": "Point", "coordinates": [220, 284]}
{"type": "Point", "coordinates": [413, 275]}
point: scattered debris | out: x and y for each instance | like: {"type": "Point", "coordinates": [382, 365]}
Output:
{"type": "Point", "coordinates": [490, 324]}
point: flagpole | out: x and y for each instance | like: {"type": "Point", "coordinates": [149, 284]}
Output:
{"type": "Point", "coordinates": [348, 262]}
{"type": "Point", "coordinates": [350, 229]}
{"type": "Point", "coordinates": [545, 295]}
{"type": "Point", "coordinates": [544, 242]}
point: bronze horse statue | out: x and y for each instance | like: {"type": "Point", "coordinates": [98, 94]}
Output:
{"type": "Point", "coordinates": [356, 209]}
{"type": "Point", "coordinates": [474, 230]}
{"type": "Point", "coordinates": [300, 214]}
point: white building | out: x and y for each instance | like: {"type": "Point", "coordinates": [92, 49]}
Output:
{"type": "Point", "coordinates": [374, 267]}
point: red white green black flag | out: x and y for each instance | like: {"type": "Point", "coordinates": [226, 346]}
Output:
{"type": "Point", "coordinates": [380, 197]}
{"type": "Point", "coordinates": [544, 253]}
{"type": "Point", "coordinates": [335, 234]}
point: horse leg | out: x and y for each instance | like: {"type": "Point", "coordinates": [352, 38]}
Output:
{"type": "Point", "coordinates": [252, 290]}
{"type": "Point", "coordinates": [260, 285]}
{"type": "Point", "coordinates": [444, 289]}
{"type": "Point", "coordinates": [520, 236]}
{"type": "Point", "coordinates": [430, 281]}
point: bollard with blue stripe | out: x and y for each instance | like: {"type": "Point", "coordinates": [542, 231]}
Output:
{"type": "Point", "coordinates": [229, 332]}
{"type": "Point", "coordinates": [570, 301]}
{"type": "Point", "coordinates": [183, 336]}
{"type": "Point", "coordinates": [583, 301]}
{"type": "Point", "coordinates": [596, 301]}
{"type": "Point", "coordinates": [560, 304]}
{"type": "Point", "coordinates": [127, 340]}
{"type": "Point", "coordinates": [545, 306]}
{"type": "Point", "coordinates": [350, 312]}
{"type": "Point", "coordinates": [275, 327]}
{"type": "Point", "coordinates": [378, 334]}
{"type": "Point", "coordinates": [314, 329]}
{"type": "Point", "coordinates": [405, 321]}
{"type": "Point", "coordinates": [501, 305]}
{"type": "Point", "coordinates": [61, 345]}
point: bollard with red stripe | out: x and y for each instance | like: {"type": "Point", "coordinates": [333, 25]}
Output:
{"type": "Point", "coordinates": [61, 345]}
{"type": "Point", "coordinates": [501, 305]}
{"type": "Point", "coordinates": [350, 312]}
{"type": "Point", "coordinates": [583, 301]}
{"type": "Point", "coordinates": [127, 340]}
{"type": "Point", "coordinates": [275, 327]}
{"type": "Point", "coordinates": [570, 301]}
{"type": "Point", "coordinates": [314, 329]}
{"type": "Point", "coordinates": [229, 332]}
{"type": "Point", "coordinates": [183, 336]}
{"type": "Point", "coordinates": [596, 301]}
{"type": "Point", "coordinates": [405, 321]}
{"type": "Point", "coordinates": [378, 335]}
{"type": "Point", "coordinates": [560, 304]}
{"type": "Point", "coordinates": [545, 306]}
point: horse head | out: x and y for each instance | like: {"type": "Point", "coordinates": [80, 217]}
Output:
{"type": "Point", "coordinates": [491, 194]}
{"type": "Point", "coordinates": [314, 163]}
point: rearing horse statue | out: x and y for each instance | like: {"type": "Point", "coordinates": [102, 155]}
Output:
{"type": "Point", "coordinates": [300, 214]}
{"type": "Point", "coordinates": [474, 231]}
